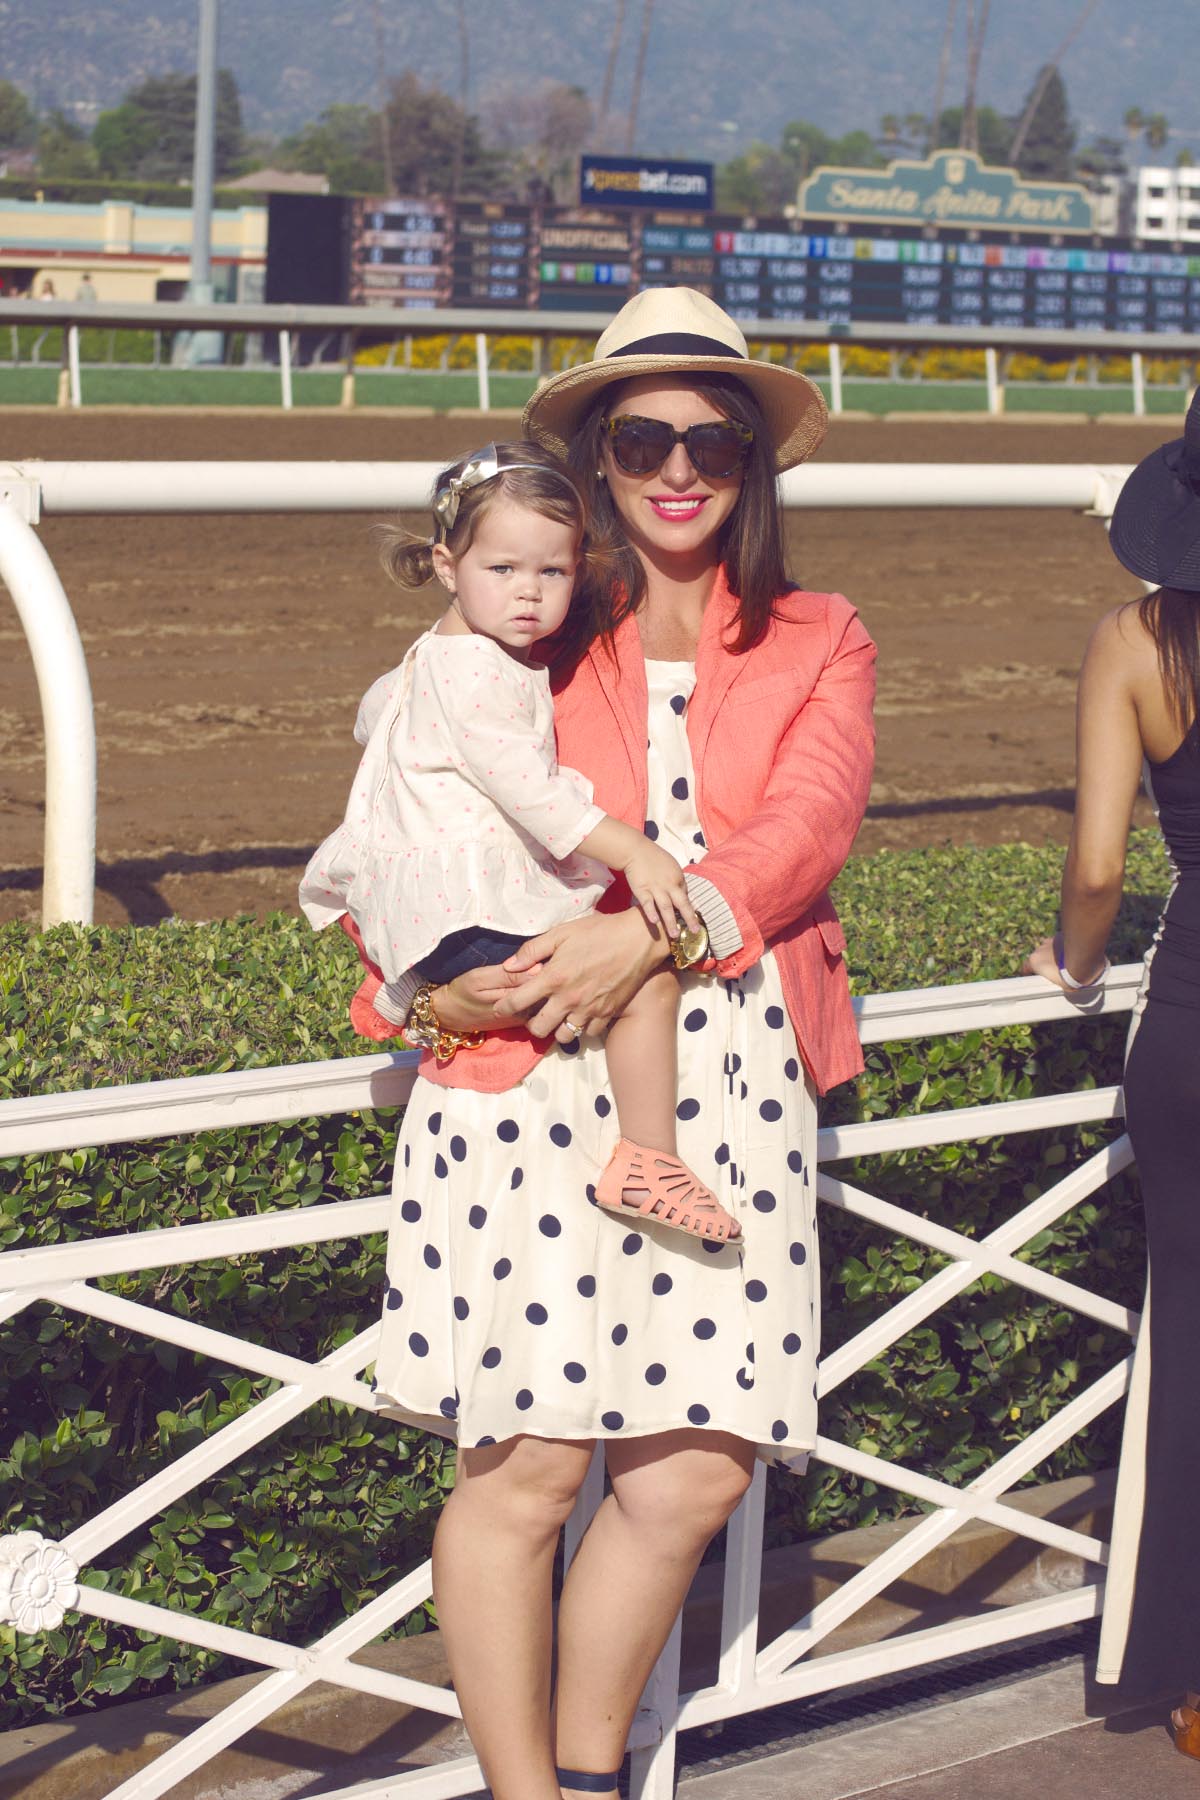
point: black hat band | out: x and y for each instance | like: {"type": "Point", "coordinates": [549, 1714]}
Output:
{"type": "Point", "coordinates": [677, 343]}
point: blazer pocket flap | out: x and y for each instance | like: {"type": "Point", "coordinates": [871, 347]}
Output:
{"type": "Point", "coordinates": [832, 935]}
{"type": "Point", "coordinates": [795, 684]}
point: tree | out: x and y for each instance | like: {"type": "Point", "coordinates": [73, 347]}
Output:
{"type": "Point", "coordinates": [1157, 132]}
{"type": "Point", "coordinates": [541, 134]}
{"type": "Point", "coordinates": [150, 136]}
{"type": "Point", "coordinates": [433, 139]}
{"type": "Point", "coordinates": [63, 151]}
{"type": "Point", "coordinates": [1103, 157]}
{"type": "Point", "coordinates": [761, 180]}
{"type": "Point", "coordinates": [1048, 153]}
{"type": "Point", "coordinates": [18, 126]}
{"type": "Point", "coordinates": [344, 146]}
{"type": "Point", "coordinates": [992, 130]}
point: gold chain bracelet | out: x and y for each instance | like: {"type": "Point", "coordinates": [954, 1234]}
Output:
{"type": "Point", "coordinates": [425, 1029]}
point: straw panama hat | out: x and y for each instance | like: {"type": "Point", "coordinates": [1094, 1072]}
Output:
{"type": "Point", "coordinates": [677, 331]}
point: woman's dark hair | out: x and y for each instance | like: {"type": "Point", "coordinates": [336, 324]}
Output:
{"type": "Point", "coordinates": [546, 489]}
{"type": "Point", "coordinates": [751, 542]}
{"type": "Point", "coordinates": [1172, 617]}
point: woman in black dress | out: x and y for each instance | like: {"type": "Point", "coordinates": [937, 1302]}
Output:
{"type": "Point", "coordinates": [1139, 708]}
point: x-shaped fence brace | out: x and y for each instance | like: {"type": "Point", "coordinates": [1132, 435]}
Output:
{"type": "Point", "coordinates": [40, 1578]}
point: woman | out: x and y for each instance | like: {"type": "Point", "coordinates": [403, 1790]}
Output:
{"type": "Point", "coordinates": [1139, 706]}
{"type": "Point", "coordinates": [730, 715]}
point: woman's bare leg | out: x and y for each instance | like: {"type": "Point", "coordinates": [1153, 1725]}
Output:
{"type": "Point", "coordinates": [493, 1556]}
{"type": "Point", "coordinates": [670, 1494]}
{"type": "Point", "coordinates": [640, 1051]}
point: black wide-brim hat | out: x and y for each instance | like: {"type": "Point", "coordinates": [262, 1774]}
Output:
{"type": "Point", "coordinates": [1155, 528]}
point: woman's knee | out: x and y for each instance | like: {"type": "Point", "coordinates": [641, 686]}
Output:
{"type": "Point", "coordinates": [532, 1482]}
{"type": "Point", "coordinates": [687, 1487]}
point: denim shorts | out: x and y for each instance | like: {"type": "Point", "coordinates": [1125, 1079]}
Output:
{"type": "Point", "coordinates": [474, 948]}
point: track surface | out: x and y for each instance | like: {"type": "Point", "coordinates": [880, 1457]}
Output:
{"type": "Point", "coordinates": [228, 655]}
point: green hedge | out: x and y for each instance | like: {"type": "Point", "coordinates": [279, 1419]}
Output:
{"type": "Point", "coordinates": [323, 1514]}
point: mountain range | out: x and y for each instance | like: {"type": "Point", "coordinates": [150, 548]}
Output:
{"type": "Point", "coordinates": [716, 76]}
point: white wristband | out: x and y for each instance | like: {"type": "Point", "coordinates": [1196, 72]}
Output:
{"type": "Point", "coordinates": [1069, 981]}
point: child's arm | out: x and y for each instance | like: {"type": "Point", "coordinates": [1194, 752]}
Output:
{"type": "Point", "coordinates": [655, 878]}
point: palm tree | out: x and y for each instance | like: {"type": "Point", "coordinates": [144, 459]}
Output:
{"type": "Point", "coordinates": [610, 70]}
{"type": "Point", "coordinates": [635, 98]}
{"type": "Point", "coordinates": [1157, 131]}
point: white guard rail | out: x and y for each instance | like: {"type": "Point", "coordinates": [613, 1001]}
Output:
{"type": "Point", "coordinates": [66, 1276]}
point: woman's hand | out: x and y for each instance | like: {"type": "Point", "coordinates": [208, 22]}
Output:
{"type": "Point", "coordinates": [586, 972]}
{"type": "Point", "coordinates": [1043, 960]}
{"type": "Point", "coordinates": [485, 999]}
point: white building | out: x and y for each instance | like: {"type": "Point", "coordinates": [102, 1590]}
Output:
{"type": "Point", "coordinates": [1168, 204]}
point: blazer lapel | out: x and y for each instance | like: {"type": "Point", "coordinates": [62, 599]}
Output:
{"type": "Point", "coordinates": [716, 669]}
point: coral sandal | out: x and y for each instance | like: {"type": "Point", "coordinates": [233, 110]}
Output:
{"type": "Point", "coordinates": [1186, 1722]}
{"type": "Point", "coordinates": [673, 1195]}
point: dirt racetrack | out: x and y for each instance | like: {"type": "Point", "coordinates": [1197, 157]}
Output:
{"type": "Point", "coordinates": [227, 655]}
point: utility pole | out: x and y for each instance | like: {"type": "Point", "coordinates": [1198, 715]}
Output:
{"type": "Point", "coordinates": [939, 92]}
{"type": "Point", "coordinates": [203, 346]}
{"type": "Point", "coordinates": [610, 70]}
{"type": "Point", "coordinates": [381, 88]}
{"type": "Point", "coordinates": [639, 68]}
{"type": "Point", "coordinates": [1043, 81]}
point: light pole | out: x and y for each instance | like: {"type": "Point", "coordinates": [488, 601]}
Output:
{"type": "Point", "coordinates": [203, 346]}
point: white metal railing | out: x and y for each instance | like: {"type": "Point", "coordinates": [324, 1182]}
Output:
{"type": "Point", "coordinates": [29, 489]}
{"type": "Point", "coordinates": [350, 322]}
{"type": "Point", "coordinates": [66, 1276]}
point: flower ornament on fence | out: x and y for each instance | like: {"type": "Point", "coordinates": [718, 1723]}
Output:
{"type": "Point", "coordinates": [37, 1582]}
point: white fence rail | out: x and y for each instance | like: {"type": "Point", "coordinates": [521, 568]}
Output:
{"type": "Point", "coordinates": [30, 489]}
{"type": "Point", "coordinates": [66, 1276]}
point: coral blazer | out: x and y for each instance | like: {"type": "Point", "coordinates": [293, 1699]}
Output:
{"type": "Point", "coordinates": [782, 741]}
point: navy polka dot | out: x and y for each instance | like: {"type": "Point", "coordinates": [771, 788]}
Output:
{"type": "Point", "coordinates": [631, 1244]}
{"type": "Point", "coordinates": [756, 1290]}
{"type": "Point", "coordinates": [458, 1149]}
{"type": "Point", "coordinates": [417, 1344]}
{"type": "Point", "coordinates": [502, 1268]}
{"type": "Point", "coordinates": [434, 1122]}
{"type": "Point", "coordinates": [687, 1109]}
{"type": "Point", "coordinates": [483, 1443]}
{"type": "Point", "coordinates": [791, 1344]}
{"type": "Point", "coordinates": [491, 1357]}
{"type": "Point", "coordinates": [571, 1049]}
{"type": "Point", "coordinates": [441, 1167]}
{"type": "Point", "coordinates": [612, 1421]}
{"type": "Point", "coordinates": [791, 1069]}
{"type": "Point", "coordinates": [432, 1258]}
{"type": "Point", "coordinates": [411, 1211]}
{"type": "Point", "coordinates": [770, 1110]}
{"type": "Point", "coordinates": [698, 838]}
{"type": "Point", "coordinates": [798, 1254]}
{"type": "Point", "coordinates": [603, 1105]}
{"type": "Point", "coordinates": [650, 829]}
{"type": "Point", "coordinates": [524, 1400]}
{"type": "Point", "coordinates": [774, 1017]}
{"type": "Point", "coordinates": [779, 1430]}
{"type": "Point", "coordinates": [407, 1155]}
{"type": "Point", "coordinates": [549, 1226]}
{"type": "Point", "coordinates": [477, 1217]}
{"type": "Point", "coordinates": [699, 1415]}
{"type": "Point", "coordinates": [795, 1162]}
{"type": "Point", "coordinates": [764, 1201]}
{"type": "Point", "coordinates": [449, 1409]}
{"type": "Point", "coordinates": [721, 1153]}
{"type": "Point", "coordinates": [710, 1247]}
{"type": "Point", "coordinates": [461, 1309]}
{"type": "Point", "coordinates": [749, 1353]}
{"type": "Point", "coordinates": [560, 1135]}
{"type": "Point", "coordinates": [575, 1372]}
{"type": "Point", "coordinates": [518, 1176]}
{"type": "Point", "coordinates": [745, 1380]}
{"type": "Point", "coordinates": [586, 1285]}
{"type": "Point", "coordinates": [619, 1334]}
{"type": "Point", "coordinates": [656, 1374]}
{"type": "Point", "coordinates": [679, 787]}
{"type": "Point", "coordinates": [590, 1191]}
{"type": "Point", "coordinates": [536, 1313]}
{"type": "Point", "coordinates": [508, 1131]}
{"type": "Point", "coordinates": [704, 1328]}
{"type": "Point", "coordinates": [696, 1020]}
{"type": "Point", "coordinates": [395, 1299]}
{"type": "Point", "coordinates": [678, 702]}
{"type": "Point", "coordinates": [662, 1284]}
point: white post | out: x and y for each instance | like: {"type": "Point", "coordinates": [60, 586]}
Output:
{"type": "Point", "coordinates": [835, 379]}
{"type": "Point", "coordinates": [481, 363]}
{"type": "Point", "coordinates": [652, 1770]}
{"type": "Point", "coordinates": [285, 368]}
{"type": "Point", "coordinates": [69, 874]}
{"type": "Point", "coordinates": [1139, 385]}
{"type": "Point", "coordinates": [73, 364]}
{"type": "Point", "coordinates": [995, 387]}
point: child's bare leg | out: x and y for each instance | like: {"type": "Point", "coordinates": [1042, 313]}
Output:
{"type": "Point", "coordinates": [640, 1048]}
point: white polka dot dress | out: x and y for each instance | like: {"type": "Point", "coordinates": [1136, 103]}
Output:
{"type": "Point", "coordinates": [514, 1304]}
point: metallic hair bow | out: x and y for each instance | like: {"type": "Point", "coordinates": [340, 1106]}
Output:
{"type": "Point", "coordinates": [484, 465]}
